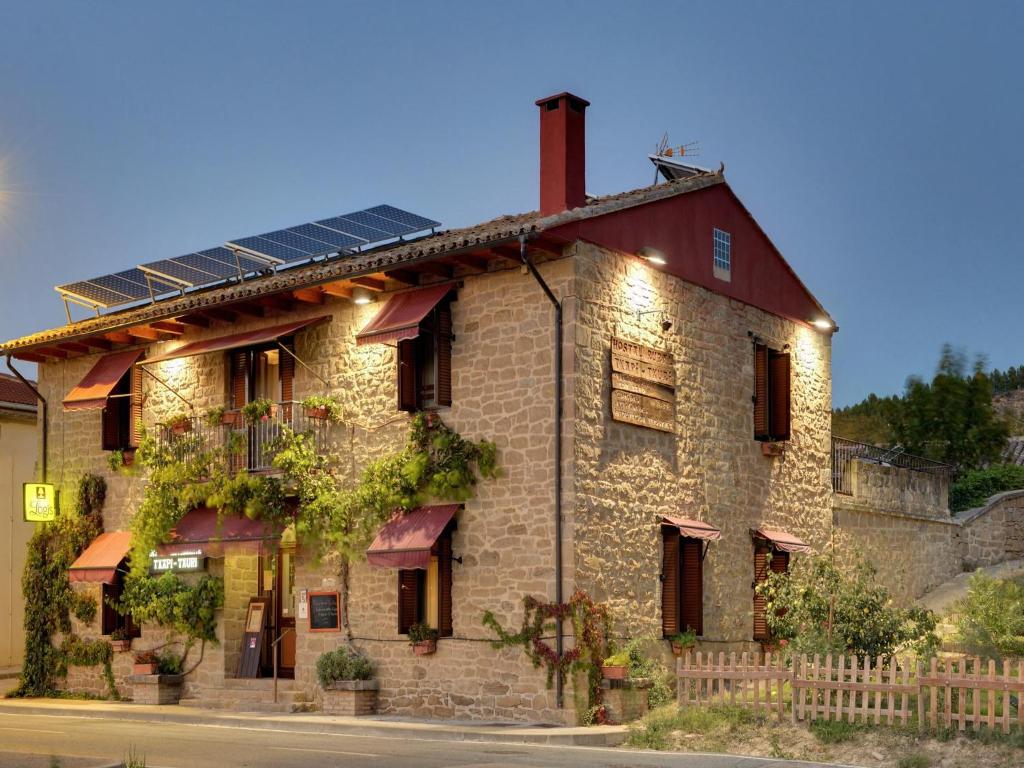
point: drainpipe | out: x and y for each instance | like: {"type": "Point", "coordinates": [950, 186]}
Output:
{"type": "Point", "coordinates": [558, 454]}
{"type": "Point", "coordinates": [27, 383]}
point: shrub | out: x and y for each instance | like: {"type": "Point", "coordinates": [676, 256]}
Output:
{"type": "Point", "coordinates": [974, 487]}
{"type": "Point", "coordinates": [343, 664]}
{"type": "Point", "coordinates": [169, 663]}
{"type": "Point", "coordinates": [990, 619]}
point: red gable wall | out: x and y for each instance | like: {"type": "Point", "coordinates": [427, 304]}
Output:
{"type": "Point", "coordinates": [681, 226]}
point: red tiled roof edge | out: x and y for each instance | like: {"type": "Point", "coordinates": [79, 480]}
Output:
{"type": "Point", "coordinates": [13, 392]}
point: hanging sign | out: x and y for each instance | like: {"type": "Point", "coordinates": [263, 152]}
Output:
{"type": "Point", "coordinates": [643, 385]}
{"type": "Point", "coordinates": [40, 502]}
{"type": "Point", "coordinates": [191, 561]}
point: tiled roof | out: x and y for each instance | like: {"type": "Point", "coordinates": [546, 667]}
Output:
{"type": "Point", "coordinates": [14, 392]}
{"type": "Point", "coordinates": [503, 228]}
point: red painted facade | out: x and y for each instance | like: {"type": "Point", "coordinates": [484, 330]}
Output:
{"type": "Point", "coordinates": [681, 228]}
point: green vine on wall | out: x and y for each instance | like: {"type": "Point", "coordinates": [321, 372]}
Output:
{"type": "Point", "coordinates": [591, 626]}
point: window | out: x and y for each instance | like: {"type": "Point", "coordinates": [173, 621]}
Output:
{"type": "Point", "coordinates": [261, 372]}
{"type": "Point", "coordinates": [771, 394]}
{"type": "Point", "coordinates": [110, 619]}
{"type": "Point", "coordinates": [682, 583]}
{"type": "Point", "coordinates": [122, 415]}
{"type": "Point", "coordinates": [425, 596]}
{"type": "Point", "coordinates": [765, 556]}
{"type": "Point", "coordinates": [425, 363]}
{"type": "Point", "coordinates": [722, 254]}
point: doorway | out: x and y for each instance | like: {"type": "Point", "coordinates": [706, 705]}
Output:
{"type": "Point", "coordinates": [277, 577]}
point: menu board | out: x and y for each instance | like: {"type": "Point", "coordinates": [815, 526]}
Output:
{"type": "Point", "coordinates": [324, 610]}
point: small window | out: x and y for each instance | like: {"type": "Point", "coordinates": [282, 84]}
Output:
{"type": "Point", "coordinates": [682, 577]}
{"type": "Point", "coordinates": [425, 363]}
{"type": "Point", "coordinates": [766, 557]}
{"type": "Point", "coordinates": [110, 619]}
{"type": "Point", "coordinates": [722, 254]}
{"type": "Point", "coordinates": [122, 415]}
{"type": "Point", "coordinates": [771, 394]}
{"type": "Point", "coordinates": [425, 596]}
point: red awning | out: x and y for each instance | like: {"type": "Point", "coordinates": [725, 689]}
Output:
{"type": "Point", "coordinates": [787, 542]}
{"type": "Point", "coordinates": [100, 560]}
{"type": "Point", "coordinates": [399, 319]}
{"type": "Point", "coordinates": [201, 528]}
{"type": "Point", "coordinates": [235, 340]}
{"type": "Point", "coordinates": [693, 529]}
{"type": "Point", "coordinates": [93, 390]}
{"type": "Point", "coordinates": [406, 541]}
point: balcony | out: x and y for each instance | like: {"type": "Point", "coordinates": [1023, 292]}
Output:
{"type": "Point", "coordinates": [847, 453]}
{"type": "Point", "coordinates": [249, 446]}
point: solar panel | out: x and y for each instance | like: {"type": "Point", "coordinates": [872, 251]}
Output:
{"type": "Point", "coordinates": [130, 282]}
{"type": "Point", "coordinates": [344, 224]}
{"type": "Point", "coordinates": [94, 294]}
{"type": "Point", "coordinates": [233, 258]}
{"type": "Point", "coordinates": [338, 239]}
{"type": "Point", "coordinates": [403, 217]}
{"type": "Point", "coordinates": [112, 290]}
{"type": "Point", "coordinates": [203, 264]}
{"type": "Point", "coordinates": [298, 242]}
{"type": "Point", "coordinates": [392, 228]}
{"type": "Point", "coordinates": [179, 272]}
{"type": "Point", "coordinates": [281, 253]}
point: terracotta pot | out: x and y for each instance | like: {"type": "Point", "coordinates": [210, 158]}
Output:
{"type": "Point", "coordinates": [230, 418]}
{"type": "Point", "coordinates": [120, 646]}
{"type": "Point", "coordinates": [181, 427]}
{"type": "Point", "coordinates": [424, 647]}
{"type": "Point", "coordinates": [320, 412]}
{"type": "Point", "coordinates": [144, 669]}
{"type": "Point", "coordinates": [614, 672]}
{"type": "Point", "coordinates": [128, 458]}
{"type": "Point", "coordinates": [678, 649]}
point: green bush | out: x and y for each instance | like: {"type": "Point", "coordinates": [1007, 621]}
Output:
{"type": "Point", "coordinates": [974, 487]}
{"type": "Point", "coordinates": [834, 731]}
{"type": "Point", "coordinates": [343, 664]}
{"type": "Point", "coordinates": [990, 619]}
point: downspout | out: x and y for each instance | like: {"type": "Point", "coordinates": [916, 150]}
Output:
{"type": "Point", "coordinates": [559, 695]}
{"type": "Point", "coordinates": [27, 383]}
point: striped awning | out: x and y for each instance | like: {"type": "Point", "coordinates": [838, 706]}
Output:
{"type": "Point", "coordinates": [236, 340]}
{"type": "Point", "coordinates": [399, 319]}
{"type": "Point", "coordinates": [94, 389]}
{"type": "Point", "coordinates": [786, 542]}
{"type": "Point", "coordinates": [693, 529]}
{"type": "Point", "coordinates": [101, 559]}
{"type": "Point", "coordinates": [407, 540]}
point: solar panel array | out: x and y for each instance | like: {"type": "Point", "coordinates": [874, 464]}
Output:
{"type": "Point", "coordinates": [247, 256]}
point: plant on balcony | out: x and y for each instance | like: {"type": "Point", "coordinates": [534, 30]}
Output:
{"type": "Point", "coordinates": [120, 460]}
{"type": "Point", "coordinates": [423, 639]}
{"type": "Point", "coordinates": [145, 663]}
{"type": "Point", "coordinates": [221, 417]}
{"type": "Point", "coordinates": [322, 407]}
{"type": "Point", "coordinates": [683, 641]}
{"type": "Point", "coordinates": [258, 410]}
{"type": "Point", "coordinates": [121, 640]}
{"type": "Point", "coordinates": [179, 423]}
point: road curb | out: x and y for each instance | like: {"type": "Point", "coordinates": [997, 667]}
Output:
{"type": "Point", "coordinates": [597, 736]}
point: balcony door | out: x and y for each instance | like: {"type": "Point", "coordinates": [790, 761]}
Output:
{"type": "Point", "coordinates": [262, 373]}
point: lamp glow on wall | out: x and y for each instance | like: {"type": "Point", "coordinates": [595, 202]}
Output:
{"type": "Point", "coordinates": [361, 296]}
{"type": "Point", "coordinates": [653, 256]}
{"type": "Point", "coordinates": [823, 324]}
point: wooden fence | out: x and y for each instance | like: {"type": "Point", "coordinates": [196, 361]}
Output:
{"type": "Point", "coordinates": [946, 693]}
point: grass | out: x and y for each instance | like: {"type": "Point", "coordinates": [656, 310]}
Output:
{"type": "Point", "coordinates": [834, 731]}
{"type": "Point", "coordinates": [916, 760]}
{"type": "Point", "coordinates": [133, 759]}
{"type": "Point", "coordinates": [656, 731]}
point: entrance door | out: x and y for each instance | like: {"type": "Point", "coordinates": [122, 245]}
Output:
{"type": "Point", "coordinates": [278, 584]}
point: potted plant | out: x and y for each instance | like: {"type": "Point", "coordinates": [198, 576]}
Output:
{"type": "Point", "coordinates": [163, 684]}
{"type": "Point", "coordinates": [616, 666]}
{"type": "Point", "coordinates": [683, 641]}
{"type": "Point", "coordinates": [180, 423]}
{"type": "Point", "coordinates": [423, 639]}
{"type": "Point", "coordinates": [258, 410]}
{"type": "Point", "coordinates": [145, 663]}
{"type": "Point", "coordinates": [120, 640]}
{"type": "Point", "coordinates": [322, 407]}
{"type": "Point", "coordinates": [346, 677]}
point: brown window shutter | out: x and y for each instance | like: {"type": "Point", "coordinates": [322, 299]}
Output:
{"type": "Point", "coordinates": [408, 379]}
{"type": "Point", "coordinates": [287, 382]}
{"type": "Point", "coordinates": [669, 581]}
{"type": "Point", "coordinates": [109, 593]}
{"type": "Point", "coordinates": [444, 585]}
{"type": "Point", "coordinates": [761, 431]}
{"type": "Point", "coordinates": [239, 366]}
{"type": "Point", "coordinates": [760, 574]}
{"type": "Point", "coordinates": [692, 585]}
{"type": "Point", "coordinates": [780, 561]}
{"type": "Point", "coordinates": [778, 386]}
{"type": "Point", "coordinates": [408, 599]}
{"type": "Point", "coordinates": [444, 354]}
{"type": "Point", "coordinates": [135, 427]}
{"type": "Point", "coordinates": [110, 430]}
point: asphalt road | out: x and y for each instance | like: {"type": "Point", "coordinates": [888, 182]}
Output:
{"type": "Point", "coordinates": [27, 741]}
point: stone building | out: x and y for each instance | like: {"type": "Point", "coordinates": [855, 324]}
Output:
{"type": "Point", "coordinates": [655, 376]}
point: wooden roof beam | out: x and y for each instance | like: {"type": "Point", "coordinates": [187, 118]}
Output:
{"type": "Point", "coordinates": [405, 276]}
{"type": "Point", "coordinates": [220, 315]}
{"type": "Point", "coordinates": [49, 352]}
{"type": "Point", "coordinates": [96, 342]}
{"type": "Point", "coordinates": [339, 290]}
{"type": "Point", "coordinates": [119, 337]}
{"type": "Point", "coordinates": [74, 348]}
{"type": "Point", "coordinates": [168, 326]}
{"type": "Point", "coordinates": [144, 332]}
{"type": "Point", "coordinates": [434, 268]}
{"type": "Point", "coordinates": [29, 357]}
{"type": "Point", "coordinates": [370, 283]}
{"type": "Point", "coordinates": [308, 295]}
{"type": "Point", "coordinates": [197, 321]}
{"type": "Point", "coordinates": [247, 308]}
{"type": "Point", "coordinates": [470, 262]}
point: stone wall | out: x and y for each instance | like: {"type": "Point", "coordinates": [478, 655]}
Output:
{"type": "Point", "coordinates": [711, 468]}
{"type": "Point", "coordinates": [899, 490]}
{"type": "Point", "coordinates": [994, 533]}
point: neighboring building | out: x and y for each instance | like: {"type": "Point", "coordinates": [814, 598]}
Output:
{"type": "Point", "coordinates": [694, 438]}
{"type": "Point", "coordinates": [19, 448]}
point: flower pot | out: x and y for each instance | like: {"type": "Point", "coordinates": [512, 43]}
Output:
{"type": "Point", "coordinates": [120, 646]}
{"type": "Point", "coordinates": [352, 698]}
{"type": "Point", "coordinates": [181, 427]}
{"type": "Point", "coordinates": [230, 418]}
{"type": "Point", "coordinates": [678, 649]}
{"type": "Point", "coordinates": [614, 672]}
{"type": "Point", "coordinates": [320, 412]}
{"type": "Point", "coordinates": [424, 647]}
{"type": "Point", "coordinates": [128, 458]}
{"type": "Point", "coordinates": [144, 669]}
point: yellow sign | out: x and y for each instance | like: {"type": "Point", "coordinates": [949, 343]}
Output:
{"type": "Point", "coordinates": [40, 502]}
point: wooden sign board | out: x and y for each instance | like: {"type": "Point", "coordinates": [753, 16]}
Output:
{"type": "Point", "coordinates": [324, 612]}
{"type": "Point", "coordinates": [252, 639]}
{"type": "Point", "coordinates": [643, 385]}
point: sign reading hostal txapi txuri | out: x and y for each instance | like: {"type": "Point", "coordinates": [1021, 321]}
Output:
{"type": "Point", "coordinates": [643, 385]}
{"type": "Point", "coordinates": [191, 561]}
{"type": "Point", "coordinates": [40, 502]}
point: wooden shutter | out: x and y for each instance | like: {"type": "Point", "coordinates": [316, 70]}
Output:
{"type": "Point", "coordinates": [444, 354]}
{"type": "Point", "coordinates": [760, 574]}
{"type": "Point", "coordinates": [692, 585]}
{"type": "Point", "coordinates": [778, 387]}
{"type": "Point", "coordinates": [287, 382]}
{"type": "Point", "coordinates": [110, 429]}
{"type": "Point", "coordinates": [761, 431]}
{"type": "Point", "coordinates": [109, 593]}
{"type": "Point", "coordinates": [669, 581]}
{"type": "Point", "coordinates": [409, 587]}
{"type": "Point", "coordinates": [135, 418]}
{"type": "Point", "coordinates": [239, 370]}
{"type": "Point", "coordinates": [780, 561]}
{"type": "Point", "coordinates": [408, 378]}
{"type": "Point", "coordinates": [444, 585]}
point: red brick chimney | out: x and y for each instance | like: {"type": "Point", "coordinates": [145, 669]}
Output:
{"type": "Point", "coordinates": [562, 153]}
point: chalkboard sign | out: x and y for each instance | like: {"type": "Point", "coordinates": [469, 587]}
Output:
{"type": "Point", "coordinates": [324, 608]}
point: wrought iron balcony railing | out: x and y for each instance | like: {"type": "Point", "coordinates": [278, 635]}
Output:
{"type": "Point", "coordinates": [845, 451]}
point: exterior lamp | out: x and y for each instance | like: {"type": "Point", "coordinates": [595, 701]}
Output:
{"type": "Point", "coordinates": [823, 323]}
{"type": "Point", "coordinates": [653, 255]}
{"type": "Point", "coordinates": [361, 296]}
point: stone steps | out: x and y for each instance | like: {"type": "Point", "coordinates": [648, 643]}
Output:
{"type": "Point", "coordinates": [251, 695]}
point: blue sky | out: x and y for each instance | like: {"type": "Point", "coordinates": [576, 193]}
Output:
{"type": "Point", "coordinates": [878, 144]}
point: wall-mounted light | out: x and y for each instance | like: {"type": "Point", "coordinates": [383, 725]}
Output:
{"type": "Point", "coordinates": [653, 256]}
{"type": "Point", "coordinates": [361, 296]}
{"type": "Point", "coordinates": [666, 324]}
{"type": "Point", "coordinates": [823, 323]}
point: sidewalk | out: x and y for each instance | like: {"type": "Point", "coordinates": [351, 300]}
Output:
{"type": "Point", "coordinates": [379, 725]}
